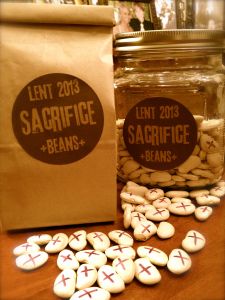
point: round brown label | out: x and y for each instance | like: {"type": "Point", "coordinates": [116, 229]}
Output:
{"type": "Point", "coordinates": [57, 118]}
{"type": "Point", "coordinates": [160, 133]}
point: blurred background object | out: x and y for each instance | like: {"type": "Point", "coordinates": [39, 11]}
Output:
{"type": "Point", "coordinates": [209, 14]}
{"type": "Point", "coordinates": [198, 14]}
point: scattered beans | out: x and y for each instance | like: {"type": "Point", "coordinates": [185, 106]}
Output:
{"type": "Point", "coordinates": [143, 273]}
{"type": "Point", "coordinates": [85, 268]}
{"type": "Point", "coordinates": [202, 213]}
{"type": "Point", "coordinates": [179, 261]}
{"type": "Point", "coordinates": [193, 241]}
{"type": "Point", "coordinates": [165, 230]}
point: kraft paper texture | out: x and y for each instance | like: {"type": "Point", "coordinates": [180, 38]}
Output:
{"type": "Point", "coordinates": [47, 39]}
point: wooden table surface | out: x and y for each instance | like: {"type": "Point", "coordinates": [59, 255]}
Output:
{"type": "Point", "coordinates": [204, 281]}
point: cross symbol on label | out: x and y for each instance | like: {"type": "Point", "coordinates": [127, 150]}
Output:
{"type": "Point", "coordinates": [82, 142]}
{"type": "Point", "coordinates": [98, 235]}
{"type": "Point", "coordinates": [142, 156]}
{"type": "Point", "coordinates": [66, 257]}
{"type": "Point", "coordinates": [108, 276]}
{"type": "Point", "coordinates": [121, 263]}
{"type": "Point", "coordinates": [43, 148]}
{"type": "Point", "coordinates": [174, 157]}
{"type": "Point", "coordinates": [145, 269]}
{"type": "Point", "coordinates": [86, 270]}
{"type": "Point", "coordinates": [31, 258]}
{"type": "Point", "coordinates": [181, 257]}
{"type": "Point", "coordinates": [63, 280]}
{"type": "Point", "coordinates": [195, 237]}
{"type": "Point", "coordinates": [88, 293]}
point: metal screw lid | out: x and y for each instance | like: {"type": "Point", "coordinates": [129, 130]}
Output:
{"type": "Point", "coordinates": [169, 40]}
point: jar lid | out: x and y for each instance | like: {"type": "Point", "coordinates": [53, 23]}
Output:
{"type": "Point", "coordinates": [177, 40]}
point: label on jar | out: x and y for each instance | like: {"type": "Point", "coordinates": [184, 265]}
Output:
{"type": "Point", "coordinates": [57, 118]}
{"type": "Point", "coordinates": [160, 133]}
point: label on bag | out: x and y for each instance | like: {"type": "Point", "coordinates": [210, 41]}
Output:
{"type": "Point", "coordinates": [57, 118]}
{"type": "Point", "coordinates": [160, 133]}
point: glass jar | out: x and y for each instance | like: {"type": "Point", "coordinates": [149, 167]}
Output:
{"type": "Point", "coordinates": [170, 107]}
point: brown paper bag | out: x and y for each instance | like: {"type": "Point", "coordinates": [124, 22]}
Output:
{"type": "Point", "coordinates": [57, 122]}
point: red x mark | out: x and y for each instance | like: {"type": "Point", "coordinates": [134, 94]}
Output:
{"type": "Point", "coordinates": [140, 217]}
{"type": "Point", "coordinates": [27, 245]}
{"type": "Point", "coordinates": [146, 228]}
{"type": "Point", "coordinates": [153, 191]}
{"type": "Point", "coordinates": [195, 237]}
{"type": "Point", "coordinates": [162, 200]}
{"type": "Point", "coordinates": [97, 235]}
{"type": "Point", "coordinates": [40, 235]}
{"type": "Point", "coordinates": [85, 271]}
{"type": "Point", "coordinates": [91, 252]}
{"type": "Point", "coordinates": [108, 276]}
{"type": "Point", "coordinates": [183, 206]}
{"type": "Point", "coordinates": [181, 257]}
{"type": "Point", "coordinates": [63, 280]}
{"type": "Point", "coordinates": [121, 262]}
{"type": "Point", "coordinates": [31, 258]}
{"type": "Point", "coordinates": [218, 188]}
{"type": "Point", "coordinates": [144, 269]}
{"type": "Point", "coordinates": [119, 248]}
{"type": "Point", "coordinates": [205, 208]}
{"type": "Point", "coordinates": [151, 249]}
{"type": "Point", "coordinates": [121, 233]}
{"type": "Point", "coordinates": [56, 241]}
{"type": "Point", "coordinates": [88, 293]}
{"type": "Point", "coordinates": [66, 257]}
{"type": "Point", "coordinates": [75, 236]}
{"type": "Point", "coordinates": [159, 212]}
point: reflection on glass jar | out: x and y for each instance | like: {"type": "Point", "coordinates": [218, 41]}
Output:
{"type": "Point", "coordinates": [170, 106]}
